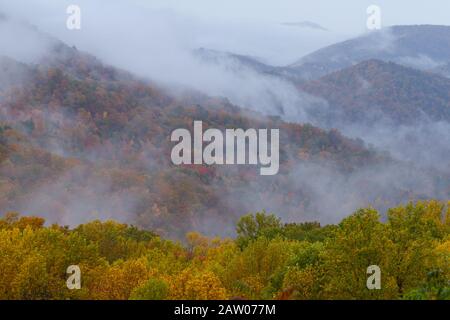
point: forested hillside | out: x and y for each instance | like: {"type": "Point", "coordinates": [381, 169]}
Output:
{"type": "Point", "coordinates": [105, 139]}
{"type": "Point", "coordinates": [376, 91]}
{"type": "Point", "coordinates": [418, 46]}
{"type": "Point", "coordinates": [88, 178]}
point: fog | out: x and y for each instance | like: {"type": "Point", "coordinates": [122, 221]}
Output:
{"type": "Point", "coordinates": [77, 196]}
{"type": "Point", "coordinates": [29, 49]}
{"type": "Point", "coordinates": [330, 195]}
{"type": "Point", "coordinates": [157, 41]}
{"type": "Point", "coordinates": [426, 144]}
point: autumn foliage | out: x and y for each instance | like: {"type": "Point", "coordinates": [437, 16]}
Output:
{"type": "Point", "coordinates": [267, 260]}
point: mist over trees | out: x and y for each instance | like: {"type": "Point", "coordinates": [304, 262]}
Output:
{"type": "Point", "coordinates": [86, 176]}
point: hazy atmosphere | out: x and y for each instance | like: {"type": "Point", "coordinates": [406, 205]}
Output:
{"type": "Point", "coordinates": [214, 150]}
{"type": "Point", "coordinates": [258, 56]}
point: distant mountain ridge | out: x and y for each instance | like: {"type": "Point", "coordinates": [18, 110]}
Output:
{"type": "Point", "coordinates": [239, 62]}
{"type": "Point", "coordinates": [376, 90]}
{"type": "Point", "coordinates": [424, 47]}
{"type": "Point", "coordinates": [421, 46]}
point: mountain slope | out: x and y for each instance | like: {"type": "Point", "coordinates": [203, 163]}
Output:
{"type": "Point", "coordinates": [421, 46]}
{"type": "Point", "coordinates": [375, 90]}
{"type": "Point", "coordinates": [443, 70]}
{"type": "Point", "coordinates": [116, 137]}
{"type": "Point", "coordinates": [240, 63]}
{"type": "Point", "coordinates": [84, 141]}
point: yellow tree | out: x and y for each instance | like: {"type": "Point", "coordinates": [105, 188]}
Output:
{"type": "Point", "coordinates": [194, 284]}
{"type": "Point", "coordinates": [359, 242]}
{"type": "Point", "coordinates": [415, 230]}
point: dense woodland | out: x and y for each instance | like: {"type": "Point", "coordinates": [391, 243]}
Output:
{"type": "Point", "coordinates": [268, 259]}
{"type": "Point", "coordinates": [85, 159]}
{"type": "Point", "coordinates": [374, 90]}
{"type": "Point", "coordinates": [92, 132]}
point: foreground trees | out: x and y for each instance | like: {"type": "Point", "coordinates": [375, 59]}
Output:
{"type": "Point", "coordinates": [268, 259]}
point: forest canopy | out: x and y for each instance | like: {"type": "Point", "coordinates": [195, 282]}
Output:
{"type": "Point", "coordinates": [268, 259]}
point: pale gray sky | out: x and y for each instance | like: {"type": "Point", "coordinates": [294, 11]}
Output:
{"type": "Point", "coordinates": [231, 24]}
{"type": "Point", "coordinates": [250, 27]}
{"type": "Point", "coordinates": [343, 16]}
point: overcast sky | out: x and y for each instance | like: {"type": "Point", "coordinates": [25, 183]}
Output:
{"type": "Point", "coordinates": [344, 16]}
{"type": "Point", "coordinates": [251, 27]}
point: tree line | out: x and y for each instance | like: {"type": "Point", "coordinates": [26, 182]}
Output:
{"type": "Point", "coordinates": [268, 259]}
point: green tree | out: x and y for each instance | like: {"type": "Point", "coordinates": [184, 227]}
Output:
{"type": "Point", "coordinates": [153, 289]}
{"type": "Point", "coordinates": [250, 227]}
